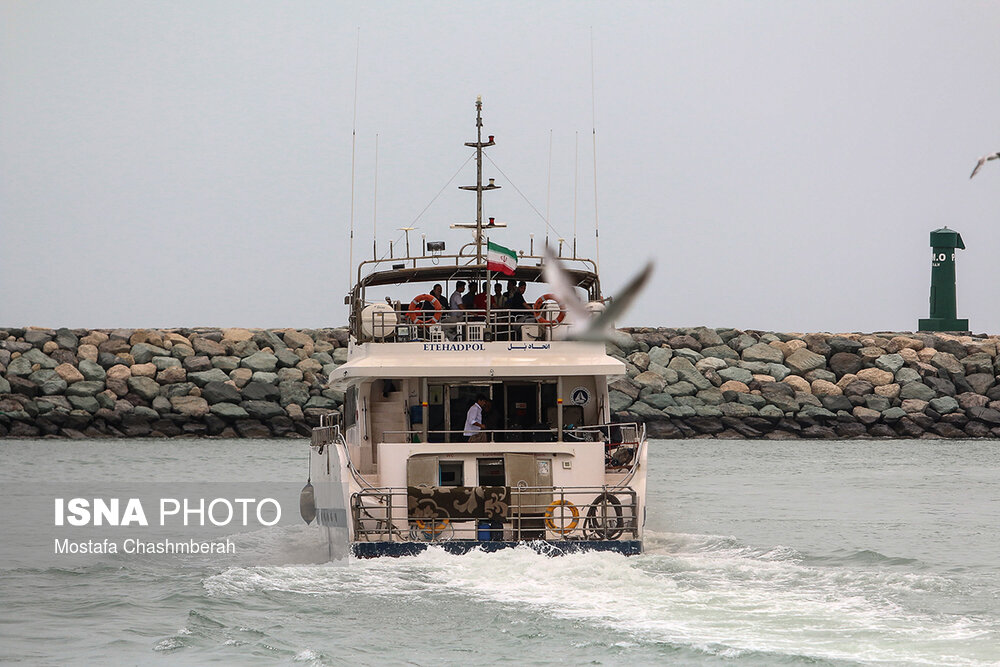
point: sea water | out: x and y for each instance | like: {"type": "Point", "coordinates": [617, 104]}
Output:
{"type": "Point", "coordinates": [756, 553]}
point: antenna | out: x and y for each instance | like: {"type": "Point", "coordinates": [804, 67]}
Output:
{"type": "Point", "coordinates": [406, 231]}
{"type": "Point", "coordinates": [354, 137]}
{"type": "Point", "coordinates": [576, 181]}
{"type": "Point", "coordinates": [593, 116]}
{"type": "Point", "coordinates": [548, 196]}
{"type": "Point", "coordinates": [479, 188]}
{"type": "Point", "coordinates": [375, 206]}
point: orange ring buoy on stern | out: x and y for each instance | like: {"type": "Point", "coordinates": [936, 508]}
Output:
{"type": "Point", "coordinates": [550, 514]}
{"type": "Point", "coordinates": [537, 308]}
{"type": "Point", "coordinates": [418, 315]}
{"type": "Point", "coordinates": [433, 525]}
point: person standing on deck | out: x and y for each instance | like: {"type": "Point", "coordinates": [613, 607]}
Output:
{"type": "Point", "coordinates": [474, 420]}
{"type": "Point", "coordinates": [438, 293]}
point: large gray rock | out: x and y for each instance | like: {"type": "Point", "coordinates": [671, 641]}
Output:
{"type": "Point", "coordinates": [682, 388]}
{"type": "Point", "coordinates": [816, 412]}
{"type": "Point", "coordinates": [293, 392]}
{"type": "Point", "coordinates": [225, 363]}
{"type": "Point", "coordinates": [38, 337]}
{"type": "Point", "coordinates": [145, 388]}
{"type": "Point", "coordinates": [742, 342]}
{"type": "Point", "coordinates": [19, 367]}
{"type": "Point", "coordinates": [286, 358]}
{"type": "Point", "coordinates": [617, 400]}
{"type": "Point", "coordinates": [261, 361]}
{"type": "Point", "coordinates": [687, 372]}
{"type": "Point", "coordinates": [988, 415]}
{"type": "Point", "coordinates": [92, 371]}
{"type": "Point", "coordinates": [859, 388]}
{"type": "Point", "coordinates": [264, 391]}
{"type": "Point", "coordinates": [66, 339]}
{"type": "Point", "coordinates": [890, 362]}
{"type": "Point", "coordinates": [323, 403]}
{"type": "Point", "coordinates": [947, 362]}
{"type": "Point", "coordinates": [778, 371]}
{"type": "Point", "coordinates": [88, 403]}
{"type": "Point", "coordinates": [979, 362]}
{"type": "Point", "coordinates": [262, 409]}
{"type": "Point", "coordinates": [710, 396]}
{"type": "Point", "coordinates": [940, 385]}
{"type": "Point", "coordinates": [85, 388]}
{"type": "Point", "coordinates": [737, 374]}
{"type": "Point", "coordinates": [207, 346]}
{"type": "Point", "coordinates": [753, 400]}
{"type": "Point", "coordinates": [649, 379]}
{"type": "Point", "coordinates": [4, 385]}
{"type": "Point", "coordinates": [916, 390]}
{"type": "Point", "coordinates": [162, 363]}
{"type": "Point", "coordinates": [980, 382]}
{"type": "Point", "coordinates": [763, 352]}
{"type": "Point", "coordinates": [197, 363]}
{"type": "Point", "coordinates": [838, 344]}
{"type": "Point", "coordinates": [143, 353]}
{"type": "Point", "coordinates": [803, 360]}
{"type": "Point", "coordinates": [679, 411]}
{"type": "Point", "coordinates": [721, 352]}
{"type": "Point", "coordinates": [220, 392]}
{"type": "Point", "coordinates": [620, 339]}
{"type": "Point", "coordinates": [944, 405]}
{"type": "Point", "coordinates": [181, 351]}
{"type": "Point", "coordinates": [907, 375]}
{"type": "Point", "coordinates": [204, 377]}
{"type": "Point", "coordinates": [40, 358]}
{"type": "Point", "coordinates": [626, 387]}
{"type": "Point", "coordinates": [658, 401]}
{"type": "Point", "coordinates": [645, 411]}
{"type": "Point", "coordinates": [229, 411]}
{"type": "Point", "coordinates": [660, 355]}
{"type": "Point", "coordinates": [738, 410]}
{"type": "Point", "coordinates": [771, 412]}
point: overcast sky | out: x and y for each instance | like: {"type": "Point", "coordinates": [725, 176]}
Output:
{"type": "Point", "coordinates": [189, 163]}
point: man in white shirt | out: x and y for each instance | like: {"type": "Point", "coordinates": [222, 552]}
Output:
{"type": "Point", "coordinates": [455, 310]}
{"type": "Point", "coordinates": [474, 420]}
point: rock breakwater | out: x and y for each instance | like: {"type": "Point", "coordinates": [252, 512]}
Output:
{"type": "Point", "coordinates": [689, 382]}
{"type": "Point", "coordinates": [164, 383]}
{"type": "Point", "coordinates": [727, 383]}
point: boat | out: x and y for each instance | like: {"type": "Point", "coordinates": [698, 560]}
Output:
{"type": "Point", "coordinates": [403, 466]}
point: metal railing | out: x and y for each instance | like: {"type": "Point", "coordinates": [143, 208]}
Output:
{"type": "Point", "coordinates": [534, 513]}
{"type": "Point", "coordinates": [400, 324]}
{"type": "Point", "coordinates": [621, 441]}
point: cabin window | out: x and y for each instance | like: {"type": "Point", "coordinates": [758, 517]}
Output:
{"type": "Point", "coordinates": [350, 406]}
{"type": "Point", "coordinates": [451, 473]}
{"type": "Point", "coordinates": [492, 472]}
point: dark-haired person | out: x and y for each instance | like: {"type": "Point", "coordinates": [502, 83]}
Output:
{"type": "Point", "coordinates": [474, 420]}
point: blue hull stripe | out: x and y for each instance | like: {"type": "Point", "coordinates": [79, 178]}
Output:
{"type": "Point", "coordinates": [396, 549]}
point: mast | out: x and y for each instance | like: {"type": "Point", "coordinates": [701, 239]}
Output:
{"type": "Point", "coordinates": [479, 188]}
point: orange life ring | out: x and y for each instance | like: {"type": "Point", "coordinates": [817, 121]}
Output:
{"type": "Point", "coordinates": [537, 308]}
{"type": "Point", "coordinates": [563, 527]}
{"type": "Point", "coordinates": [418, 315]}
{"type": "Point", "coordinates": [433, 525]}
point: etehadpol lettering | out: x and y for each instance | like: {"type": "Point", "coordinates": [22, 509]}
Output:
{"type": "Point", "coordinates": [453, 347]}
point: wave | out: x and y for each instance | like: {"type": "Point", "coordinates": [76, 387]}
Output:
{"type": "Point", "coordinates": [711, 594]}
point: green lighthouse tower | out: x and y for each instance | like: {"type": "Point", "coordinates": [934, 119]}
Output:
{"type": "Point", "coordinates": [943, 315]}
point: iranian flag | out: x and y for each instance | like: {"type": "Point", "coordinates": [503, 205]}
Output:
{"type": "Point", "coordinates": [500, 259]}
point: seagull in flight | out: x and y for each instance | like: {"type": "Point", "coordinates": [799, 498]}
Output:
{"type": "Point", "coordinates": [581, 325]}
{"type": "Point", "coordinates": [983, 160]}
